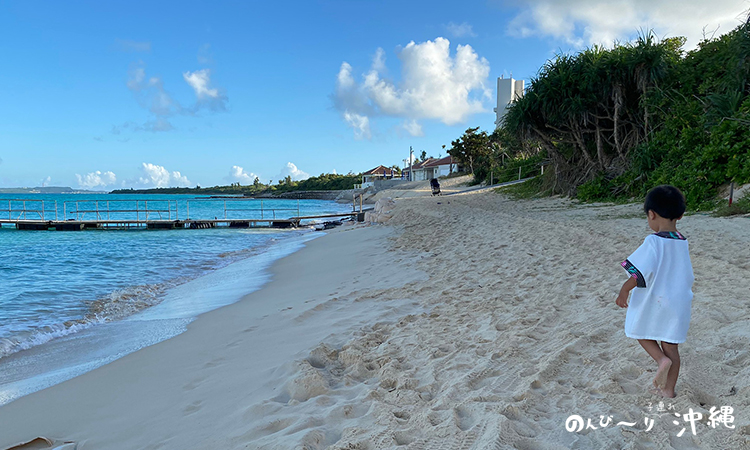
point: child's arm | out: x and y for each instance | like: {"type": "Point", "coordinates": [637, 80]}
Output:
{"type": "Point", "coordinates": [622, 297]}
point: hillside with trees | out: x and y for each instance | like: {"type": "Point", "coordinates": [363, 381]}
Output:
{"type": "Point", "coordinates": [323, 182]}
{"type": "Point", "coordinates": [612, 123]}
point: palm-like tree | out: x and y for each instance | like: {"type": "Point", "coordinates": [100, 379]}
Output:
{"type": "Point", "coordinates": [590, 110]}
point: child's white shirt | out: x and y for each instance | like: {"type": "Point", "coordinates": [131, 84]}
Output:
{"type": "Point", "coordinates": [659, 308]}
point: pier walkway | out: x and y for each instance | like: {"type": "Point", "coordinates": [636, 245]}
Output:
{"type": "Point", "coordinates": [31, 214]}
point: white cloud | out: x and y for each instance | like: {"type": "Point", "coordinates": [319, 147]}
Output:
{"type": "Point", "coordinates": [151, 94]}
{"type": "Point", "coordinates": [361, 125]}
{"type": "Point", "coordinates": [157, 125]}
{"type": "Point", "coordinates": [200, 81]}
{"type": "Point", "coordinates": [158, 176]}
{"type": "Point", "coordinates": [238, 175]}
{"type": "Point", "coordinates": [434, 85]}
{"type": "Point", "coordinates": [350, 96]}
{"type": "Point", "coordinates": [291, 170]}
{"type": "Point", "coordinates": [413, 128]}
{"type": "Point", "coordinates": [96, 179]}
{"type": "Point", "coordinates": [135, 79]}
{"type": "Point", "coordinates": [460, 30]}
{"type": "Point", "coordinates": [154, 175]}
{"type": "Point", "coordinates": [46, 181]}
{"type": "Point", "coordinates": [179, 179]}
{"type": "Point", "coordinates": [583, 22]}
{"type": "Point", "coordinates": [378, 61]}
{"type": "Point", "coordinates": [344, 80]}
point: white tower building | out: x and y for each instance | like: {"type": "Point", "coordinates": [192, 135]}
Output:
{"type": "Point", "coordinates": [508, 91]}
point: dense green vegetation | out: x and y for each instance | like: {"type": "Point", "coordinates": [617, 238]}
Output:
{"type": "Point", "coordinates": [615, 122]}
{"type": "Point", "coordinates": [496, 157]}
{"type": "Point", "coordinates": [740, 206]}
{"type": "Point", "coordinates": [323, 182]}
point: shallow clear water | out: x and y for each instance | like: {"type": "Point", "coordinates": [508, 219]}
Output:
{"type": "Point", "coordinates": [56, 286]}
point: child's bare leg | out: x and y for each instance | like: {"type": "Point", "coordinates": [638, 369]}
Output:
{"type": "Point", "coordinates": [670, 350]}
{"type": "Point", "coordinates": [653, 349]}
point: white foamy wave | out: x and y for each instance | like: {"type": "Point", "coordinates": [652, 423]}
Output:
{"type": "Point", "coordinates": [126, 302]}
{"type": "Point", "coordinates": [123, 303]}
{"type": "Point", "coordinates": [115, 306]}
{"type": "Point", "coordinates": [40, 336]}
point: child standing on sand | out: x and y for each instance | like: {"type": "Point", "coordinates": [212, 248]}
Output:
{"type": "Point", "coordinates": [662, 275]}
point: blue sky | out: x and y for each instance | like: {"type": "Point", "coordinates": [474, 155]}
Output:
{"type": "Point", "coordinates": [103, 95]}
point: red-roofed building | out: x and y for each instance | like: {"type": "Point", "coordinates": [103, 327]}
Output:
{"type": "Point", "coordinates": [417, 168]}
{"type": "Point", "coordinates": [378, 173]}
{"type": "Point", "coordinates": [434, 168]}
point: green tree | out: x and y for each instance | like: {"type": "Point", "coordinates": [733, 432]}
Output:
{"type": "Point", "coordinates": [471, 148]}
{"type": "Point", "coordinates": [590, 110]}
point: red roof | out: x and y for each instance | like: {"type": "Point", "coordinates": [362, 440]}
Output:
{"type": "Point", "coordinates": [420, 165]}
{"type": "Point", "coordinates": [381, 170]}
{"type": "Point", "coordinates": [433, 162]}
{"type": "Point", "coordinates": [439, 162]}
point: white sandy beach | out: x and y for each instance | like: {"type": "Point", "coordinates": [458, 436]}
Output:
{"type": "Point", "coordinates": [464, 322]}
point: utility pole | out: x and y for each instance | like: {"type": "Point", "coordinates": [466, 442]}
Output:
{"type": "Point", "coordinates": [411, 161]}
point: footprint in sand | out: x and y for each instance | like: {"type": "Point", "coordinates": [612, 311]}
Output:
{"type": "Point", "coordinates": [403, 437]}
{"type": "Point", "coordinates": [465, 418]}
{"type": "Point", "coordinates": [194, 384]}
{"type": "Point", "coordinates": [213, 363]}
{"type": "Point", "coordinates": [482, 378]}
{"type": "Point", "coordinates": [435, 418]}
{"type": "Point", "coordinates": [192, 408]}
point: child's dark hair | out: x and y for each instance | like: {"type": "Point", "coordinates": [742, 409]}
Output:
{"type": "Point", "coordinates": [666, 201]}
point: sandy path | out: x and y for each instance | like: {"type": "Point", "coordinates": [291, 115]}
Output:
{"type": "Point", "coordinates": [521, 331]}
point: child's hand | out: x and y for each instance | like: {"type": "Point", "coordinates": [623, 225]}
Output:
{"type": "Point", "coordinates": [622, 299]}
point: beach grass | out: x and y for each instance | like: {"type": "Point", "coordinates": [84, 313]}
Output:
{"type": "Point", "coordinates": [533, 188]}
{"type": "Point", "coordinates": [740, 206]}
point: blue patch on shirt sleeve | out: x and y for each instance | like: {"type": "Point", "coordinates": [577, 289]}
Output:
{"type": "Point", "coordinates": [635, 273]}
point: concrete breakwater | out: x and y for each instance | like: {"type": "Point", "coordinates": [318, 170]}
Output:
{"type": "Point", "coordinates": [343, 196]}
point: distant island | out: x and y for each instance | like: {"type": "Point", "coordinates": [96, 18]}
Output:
{"type": "Point", "coordinates": [323, 182]}
{"type": "Point", "coordinates": [45, 190]}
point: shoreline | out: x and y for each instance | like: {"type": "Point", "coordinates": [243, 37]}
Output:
{"type": "Point", "coordinates": [469, 321]}
{"type": "Point", "coordinates": [229, 356]}
{"type": "Point", "coordinates": [94, 340]}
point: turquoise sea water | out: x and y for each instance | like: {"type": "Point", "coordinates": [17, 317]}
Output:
{"type": "Point", "coordinates": [73, 300]}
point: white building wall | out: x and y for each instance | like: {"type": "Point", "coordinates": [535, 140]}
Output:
{"type": "Point", "coordinates": [426, 173]}
{"type": "Point", "coordinates": [445, 169]}
{"type": "Point", "coordinates": [508, 91]}
{"type": "Point", "coordinates": [518, 86]}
